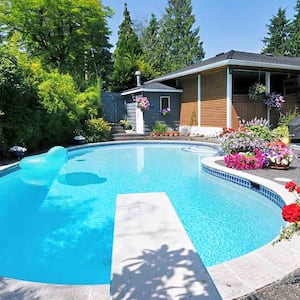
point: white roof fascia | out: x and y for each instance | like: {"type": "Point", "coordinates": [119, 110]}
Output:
{"type": "Point", "coordinates": [263, 65]}
{"type": "Point", "coordinates": [227, 62]}
{"type": "Point", "coordinates": [192, 71]}
{"type": "Point", "coordinates": [151, 90]}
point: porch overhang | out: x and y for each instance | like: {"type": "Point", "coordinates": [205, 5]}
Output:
{"type": "Point", "coordinates": [227, 63]}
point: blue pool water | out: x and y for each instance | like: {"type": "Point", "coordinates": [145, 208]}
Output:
{"type": "Point", "coordinates": [63, 233]}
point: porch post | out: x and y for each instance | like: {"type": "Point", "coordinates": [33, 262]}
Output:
{"type": "Point", "coordinates": [139, 121]}
{"type": "Point", "coordinates": [268, 90]}
{"type": "Point", "coordinates": [229, 99]}
{"type": "Point", "coordinates": [199, 100]}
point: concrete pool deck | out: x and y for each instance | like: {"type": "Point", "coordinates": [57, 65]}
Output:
{"type": "Point", "coordinates": [233, 278]}
{"type": "Point", "coordinates": [245, 274]}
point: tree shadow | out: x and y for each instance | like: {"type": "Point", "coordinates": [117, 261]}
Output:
{"type": "Point", "coordinates": [10, 289]}
{"type": "Point", "coordinates": [80, 179]}
{"type": "Point", "coordinates": [163, 274]}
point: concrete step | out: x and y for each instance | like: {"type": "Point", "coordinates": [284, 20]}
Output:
{"type": "Point", "coordinates": [126, 136]}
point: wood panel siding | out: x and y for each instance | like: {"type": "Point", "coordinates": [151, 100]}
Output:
{"type": "Point", "coordinates": [213, 113]}
{"type": "Point", "coordinates": [213, 100]}
{"type": "Point", "coordinates": [213, 85]}
{"type": "Point", "coordinates": [189, 102]}
{"type": "Point", "coordinates": [244, 108]}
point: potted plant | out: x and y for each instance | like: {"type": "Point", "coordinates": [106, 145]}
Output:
{"type": "Point", "coordinates": [257, 91]}
{"type": "Point", "coordinates": [279, 156]}
{"type": "Point", "coordinates": [165, 111]}
{"type": "Point", "coordinates": [142, 103]}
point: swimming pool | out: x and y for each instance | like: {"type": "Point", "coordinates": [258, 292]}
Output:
{"type": "Point", "coordinates": [64, 233]}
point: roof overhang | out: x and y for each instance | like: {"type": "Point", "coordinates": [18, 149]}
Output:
{"type": "Point", "coordinates": [140, 90]}
{"type": "Point", "coordinates": [225, 63]}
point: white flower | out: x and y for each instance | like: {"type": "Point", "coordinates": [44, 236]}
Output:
{"type": "Point", "coordinates": [284, 162]}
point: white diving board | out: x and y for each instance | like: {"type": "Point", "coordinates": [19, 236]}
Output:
{"type": "Point", "coordinates": [153, 257]}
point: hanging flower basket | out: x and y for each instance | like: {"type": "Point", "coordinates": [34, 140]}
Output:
{"type": "Point", "coordinates": [142, 103]}
{"type": "Point", "coordinates": [257, 91]}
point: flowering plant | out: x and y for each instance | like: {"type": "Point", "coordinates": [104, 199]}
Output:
{"type": "Point", "coordinates": [245, 161]}
{"type": "Point", "coordinates": [279, 155]}
{"type": "Point", "coordinates": [142, 103]}
{"type": "Point", "coordinates": [291, 213]}
{"type": "Point", "coordinates": [274, 100]}
{"type": "Point", "coordinates": [257, 91]}
{"type": "Point", "coordinates": [240, 140]}
{"type": "Point", "coordinates": [165, 111]}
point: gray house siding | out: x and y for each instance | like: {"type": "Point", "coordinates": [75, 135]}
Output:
{"type": "Point", "coordinates": [171, 120]}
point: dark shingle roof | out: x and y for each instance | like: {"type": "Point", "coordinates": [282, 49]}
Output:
{"type": "Point", "coordinates": [150, 86]}
{"type": "Point", "coordinates": [233, 55]}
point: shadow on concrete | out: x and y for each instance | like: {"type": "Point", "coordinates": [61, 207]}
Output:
{"type": "Point", "coordinates": [157, 274]}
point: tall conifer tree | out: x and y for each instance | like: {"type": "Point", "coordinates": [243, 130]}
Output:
{"type": "Point", "coordinates": [181, 43]}
{"type": "Point", "coordinates": [128, 50]}
{"type": "Point", "coordinates": [151, 44]}
{"type": "Point", "coordinates": [278, 35]}
{"type": "Point", "coordinates": [294, 44]}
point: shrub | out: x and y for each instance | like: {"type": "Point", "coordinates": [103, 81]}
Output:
{"type": "Point", "coordinates": [286, 118]}
{"type": "Point", "coordinates": [159, 127]}
{"type": "Point", "coordinates": [259, 126]}
{"type": "Point", "coordinates": [281, 132]}
{"type": "Point", "coordinates": [97, 130]}
{"type": "Point", "coordinates": [261, 132]}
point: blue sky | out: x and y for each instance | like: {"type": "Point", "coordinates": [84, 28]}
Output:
{"type": "Point", "coordinates": [224, 24]}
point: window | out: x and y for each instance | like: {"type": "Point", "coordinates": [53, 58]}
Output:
{"type": "Point", "coordinates": [164, 102]}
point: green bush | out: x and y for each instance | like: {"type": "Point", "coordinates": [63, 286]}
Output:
{"type": "Point", "coordinates": [97, 130]}
{"type": "Point", "coordinates": [159, 127]}
{"type": "Point", "coordinates": [286, 118]}
{"type": "Point", "coordinates": [261, 132]}
{"type": "Point", "coordinates": [281, 132]}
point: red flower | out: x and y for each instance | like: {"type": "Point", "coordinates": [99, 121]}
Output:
{"type": "Point", "coordinates": [290, 186]}
{"type": "Point", "coordinates": [298, 190]}
{"type": "Point", "coordinates": [291, 213]}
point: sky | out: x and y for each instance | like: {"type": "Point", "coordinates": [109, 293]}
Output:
{"type": "Point", "coordinates": [224, 24]}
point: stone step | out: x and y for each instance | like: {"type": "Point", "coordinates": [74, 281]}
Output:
{"type": "Point", "coordinates": [117, 128]}
{"type": "Point", "coordinates": [125, 136]}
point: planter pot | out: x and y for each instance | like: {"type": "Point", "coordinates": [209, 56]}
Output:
{"type": "Point", "coordinates": [279, 167]}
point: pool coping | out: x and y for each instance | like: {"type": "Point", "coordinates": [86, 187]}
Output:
{"type": "Point", "coordinates": [232, 278]}
{"type": "Point", "coordinates": [261, 267]}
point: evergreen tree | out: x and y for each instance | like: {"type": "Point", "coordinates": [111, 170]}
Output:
{"type": "Point", "coordinates": [181, 43]}
{"type": "Point", "coordinates": [151, 44]}
{"type": "Point", "coordinates": [128, 51]}
{"type": "Point", "coordinates": [294, 44]}
{"type": "Point", "coordinates": [278, 35]}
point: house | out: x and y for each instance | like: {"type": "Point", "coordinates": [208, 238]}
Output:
{"type": "Point", "coordinates": [212, 94]}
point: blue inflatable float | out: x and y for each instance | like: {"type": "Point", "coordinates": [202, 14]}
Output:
{"type": "Point", "coordinates": [41, 169]}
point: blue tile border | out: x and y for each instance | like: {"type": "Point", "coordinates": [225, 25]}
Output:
{"type": "Point", "coordinates": [269, 194]}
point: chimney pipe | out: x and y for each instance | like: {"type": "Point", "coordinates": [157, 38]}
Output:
{"type": "Point", "coordinates": [138, 78]}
